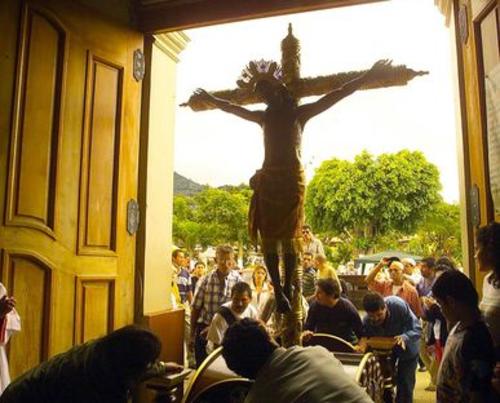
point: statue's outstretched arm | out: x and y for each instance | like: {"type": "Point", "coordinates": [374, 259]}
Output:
{"type": "Point", "coordinates": [307, 111]}
{"type": "Point", "coordinates": [226, 106]}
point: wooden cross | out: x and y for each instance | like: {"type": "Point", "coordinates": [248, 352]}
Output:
{"type": "Point", "coordinates": [309, 86]}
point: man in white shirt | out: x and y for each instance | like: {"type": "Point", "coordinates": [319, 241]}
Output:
{"type": "Point", "coordinates": [238, 308]}
{"type": "Point", "coordinates": [293, 375]}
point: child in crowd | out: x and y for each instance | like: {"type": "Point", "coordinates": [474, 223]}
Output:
{"type": "Point", "coordinates": [467, 366]}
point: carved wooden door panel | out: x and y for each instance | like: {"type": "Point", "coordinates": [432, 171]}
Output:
{"type": "Point", "coordinates": [69, 132]}
{"type": "Point", "coordinates": [478, 37]}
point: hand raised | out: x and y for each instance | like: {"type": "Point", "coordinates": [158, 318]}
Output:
{"type": "Point", "coordinates": [383, 262]}
{"type": "Point", "coordinates": [378, 67]}
{"type": "Point", "coordinates": [203, 95]}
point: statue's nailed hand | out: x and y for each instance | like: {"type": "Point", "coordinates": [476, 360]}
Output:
{"type": "Point", "coordinates": [378, 68]}
{"type": "Point", "coordinates": [201, 95]}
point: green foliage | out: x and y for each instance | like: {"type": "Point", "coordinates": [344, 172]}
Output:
{"type": "Point", "coordinates": [371, 196]}
{"type": "Point", "coordinates": [212, 216]}
{"type": "Point", "coordinates": [340, 253]}
{"type": "Point", "coordinates": [439, 233]}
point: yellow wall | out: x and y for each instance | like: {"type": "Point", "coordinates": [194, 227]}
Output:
{"type": "Point", "coordinates": [160, 160]}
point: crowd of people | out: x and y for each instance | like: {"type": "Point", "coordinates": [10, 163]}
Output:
{"type": "Point", "coordinates": [429, 308]}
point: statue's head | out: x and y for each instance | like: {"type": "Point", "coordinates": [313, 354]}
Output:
{"type": "Point", "coordinates": [264, 77]}
{"type": "Point", "coordinates": [271, 92]}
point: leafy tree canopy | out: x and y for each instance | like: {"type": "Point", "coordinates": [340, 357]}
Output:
{"type": "Point", "coordinates": [439, 233]}
{"type": "Point", "coordinates": [372, 196]}
{"type": "Point", "coordinates": [212, 216]}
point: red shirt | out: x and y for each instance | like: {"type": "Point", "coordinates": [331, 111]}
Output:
{"type": "Point", "coordinates": [407, 292]}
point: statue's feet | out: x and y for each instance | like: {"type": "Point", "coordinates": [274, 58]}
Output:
{"type": "Point", "coordinates": [282, 303]}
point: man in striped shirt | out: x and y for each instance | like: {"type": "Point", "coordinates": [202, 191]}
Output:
{"type": "Point", "coordinates": [213, 291]}
{"type": "Point", "coordinates": [309, 276]}
{"type": "Point", "coordinates": [181, 277]}
{"type": "Point", "coordinates": [181, 286]}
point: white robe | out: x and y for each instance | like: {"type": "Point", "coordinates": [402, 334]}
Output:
{"type": "Point", "coordinates": [13, 325]}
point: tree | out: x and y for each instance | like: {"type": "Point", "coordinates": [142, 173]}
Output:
{"type": "Point", "coordinates": [211, 217]}
{"type": "Point", "coordinates": [371, 196]}
{"type": "Point", "coordinates": [439, 233]}
{"type": "Point", "coordinates": [228, 210]}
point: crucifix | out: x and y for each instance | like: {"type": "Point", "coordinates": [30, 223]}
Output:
{"type": "Point", "coordinates": [309, 86]}
{"type": "Point", "coordinates": [277, 208]}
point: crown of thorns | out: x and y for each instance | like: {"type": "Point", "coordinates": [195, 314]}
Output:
{"type": "Point", "coordinates": [258, 70]}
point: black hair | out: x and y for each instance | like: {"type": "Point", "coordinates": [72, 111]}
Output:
{"type": "Point", "coordinates": [445, 260]}
{"type": "Point", "coordinates": [198, 263]}
{"type": "Point", "coordinates": [223, 249]}
{"type": "Point", "coordinates": [329, 286]}
{"type": "Point", "coordinates": [429, 261]}
{"type": "Point", "coordinates": [129, 351]}
{"type": "Point", "coordinates": [373, 302]}
{"type": "Point", "coordinates": [393, 259]}
{"type": "Point", "coordinates": [456, 285]}
{"type": "Point", "coordinates": [176, 252]}
{"type": "Point", "coordinates": [442, 267]}
{"type": "Point", "coordinates": [259, 267]}
{"type": "Point", "coordinates": [240, 288]}
{"type": "Point", "coordinates": [488, 238]}
{"type": "Point", "coordinates": [246, 347]}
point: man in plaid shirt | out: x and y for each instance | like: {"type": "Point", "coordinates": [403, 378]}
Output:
{"type": "Point", "coordinates": [213, 291]}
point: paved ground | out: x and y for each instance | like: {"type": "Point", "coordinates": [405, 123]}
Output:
{"type": "Point", "coordinates": [421, 395]}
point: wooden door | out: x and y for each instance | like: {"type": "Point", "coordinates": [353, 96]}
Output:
{"type": "Point", "coordinates": [478, 39]}
{"type": "Point", "coordinates": [69, 132]}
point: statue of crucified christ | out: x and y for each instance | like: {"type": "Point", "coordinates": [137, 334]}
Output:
{"type": "Point", "coordinates": [277, 207]}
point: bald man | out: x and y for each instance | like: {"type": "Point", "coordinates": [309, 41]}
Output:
{"type": "Point", "coordinates": [395, 285]}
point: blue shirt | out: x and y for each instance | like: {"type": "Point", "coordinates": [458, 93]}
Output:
{"type": "Point", "coordinates": [400, 320]}
{"type": "Point", "coordinates": [183, 283]}
{"type": "Point", "coordinates": [424, 287]}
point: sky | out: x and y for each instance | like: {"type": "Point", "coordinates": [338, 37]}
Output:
{"type": "Point", "coordinates": [216, 148]}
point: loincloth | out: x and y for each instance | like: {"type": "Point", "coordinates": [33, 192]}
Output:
{"type": "Point", "coordinates": [277, 205]}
